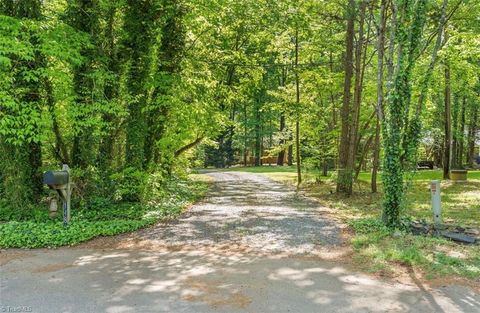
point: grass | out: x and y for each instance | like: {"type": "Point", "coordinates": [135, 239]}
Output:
{"type": "Point", "coordinates": [379, 249]}
{"type": "Point", "coordinates": [34, 228]}
{"type": "Point", "coordinates": [382, 250]}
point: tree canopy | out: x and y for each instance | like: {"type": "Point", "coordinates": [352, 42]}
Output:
{"type": "Point", "coordinates": [135, 87]}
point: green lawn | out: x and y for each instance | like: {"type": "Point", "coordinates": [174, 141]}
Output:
{"type": "Point", "coordinates": [381, 250]}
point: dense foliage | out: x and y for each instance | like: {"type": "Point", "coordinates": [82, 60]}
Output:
{"type": "Point", "coordinates": [126, 90]}
{"type": "Point", "coordinates": [96, 217]}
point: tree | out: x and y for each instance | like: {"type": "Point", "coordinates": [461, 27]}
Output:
{"type": "Point", "coordinates": [82, 15]}
{"type": "Point", "coordinates": [345, 171]}
{"type": "Point", "coordinates": [21, 104]}
{"type": "Point", "coordinates": [408, 37]}
{"type": "Point", "coordinates": [141, 21]}
{"type": "Point", "coordinates": [448, 125]}
{"type": "Point", "coordinates": [380, 78]}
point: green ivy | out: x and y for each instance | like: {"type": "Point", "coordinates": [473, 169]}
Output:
{"type": "Point", "coordinates": [408, 30]}
{"type": "Point", "coordinates": [97, 217]}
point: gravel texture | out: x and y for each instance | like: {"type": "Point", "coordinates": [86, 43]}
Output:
{"type": "Point", "coordinates": [253, 211]}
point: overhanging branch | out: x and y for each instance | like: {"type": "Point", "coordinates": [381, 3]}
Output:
{"type": "Point", "coordinates": [189, 146]}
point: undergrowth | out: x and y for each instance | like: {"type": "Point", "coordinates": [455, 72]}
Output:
{"type": "Point", "coordinates": [99, 216]}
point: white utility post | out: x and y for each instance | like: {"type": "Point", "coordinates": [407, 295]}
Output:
{"type": "Point", "coordinates": [436, 202]}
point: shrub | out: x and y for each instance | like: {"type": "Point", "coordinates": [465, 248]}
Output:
{"type": "Point", "coordinates": [129, 185]}
{"type": "Point", "coordinates": [98, 216]}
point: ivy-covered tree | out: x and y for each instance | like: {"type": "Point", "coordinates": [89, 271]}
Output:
{"type": "Point", "coordinates": [142, 19]}
{"type": "Point", "coordinates": [23, 65]}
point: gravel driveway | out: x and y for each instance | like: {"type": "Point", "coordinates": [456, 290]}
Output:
{"type": "Point", "coordinates": [254, 212]}
{"type": "Point", "coordinates": [252, 245]}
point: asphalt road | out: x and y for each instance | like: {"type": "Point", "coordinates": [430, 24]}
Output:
{"type": "Point", "coordinates": [252, 245]}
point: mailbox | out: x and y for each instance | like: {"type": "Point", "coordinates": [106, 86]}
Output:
{"type": "Point", "coordinates": [54, 179]}
{"type": "Point", "coordinates": [61, 182]}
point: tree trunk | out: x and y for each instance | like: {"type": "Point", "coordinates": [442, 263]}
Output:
{"type": "Point", "coordinates": [82, 15]}
{"type": "Point", "coordinates": [461, 139]}
{"type": "Point", "coordinates": [258, 139]}
{"type": "Point", "coordinates": [412, 134]}
{"type": "Point", "coordinates": [409, 37]}
{"type": "Point", "coordinates": [353, 145]}
{"type": "Point", "coordinates": [344, 180]}
{"type": "Point", "coordinates": [290, 154]}
{"type": "Point", "coordinates": [297, 122]}
{"type": "Point", "coordinates": [61, 150]}
{"type": "Point", "coordinates": [325, 167]}
{"type": "Point", "coordinates": [472, 132]}
{"type": "Point", "coordinates": [281, 154]}
{"type": "Point", "coordinates": [455, 131]}
{"type": "Point", "coordinates": [391, 46]}
{"type": "Point", "coordinates": [105, 155]}
{"type": "Point", "coordinates": [379, 106]}
{"type": "Point", "coordinates": [376, 158]}
{"type": "Point", "coordinates": [139, 27]}
{"type": "Point", "coordinates": [245, 141]}
{"type": "Point", "coordinates": [368, 143]}
{"type": "Point", "coordinates": [169, 58]}
{"type": "Point", "coordinates": [448, 125]}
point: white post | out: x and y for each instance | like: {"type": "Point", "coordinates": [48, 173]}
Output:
{"type": "Point", "coordinates": [436, 202]}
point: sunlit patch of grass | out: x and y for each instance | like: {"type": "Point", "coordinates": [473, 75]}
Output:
{"type": "Point", "coordinates": [460, 202]}
{"type": "Point", "coordinates": [200, 178]}
{"type": "Point", "coordinates": [378, 251]}
{"type": "Point", "coordinates": [444, 265]}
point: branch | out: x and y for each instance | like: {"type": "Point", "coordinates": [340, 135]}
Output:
{"type": "Point", "coordinates": [438, 44]}
{"type": "Point", "coordinates": [194, 41]}
{"type": "Point", "coordinates": [443, 21]}
{"type": "Point", "coordinates": [188, 146]}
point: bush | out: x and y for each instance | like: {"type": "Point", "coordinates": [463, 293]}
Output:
{"type": "Point", "coordinates": [98, 216]}
{"type": "Point", "coordinates": [129, 185]}
{"type": "Point", "coordinates": [368, 231]}
{"type": "Point", "coordinates": [85, 183]}
{"type": "Point", "coordinates": [368, 225]}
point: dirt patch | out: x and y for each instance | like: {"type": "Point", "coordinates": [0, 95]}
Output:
{"type": "Point", "coordinates": [7, 256]}
{"type": "Point", "coordinates": [444, 282]}
{"type": "Point", "coordinates": [418, 278]}
{"type": "Point", "coordinates": [341, 255]}
{"type": "Point", "coordinates": [128, 240]}
{"type": "Point", "coordinates": [214, 294]}
{"type": "Point", "coordinates": [112, 242]}
{"type": "Point", "coordinates": [406, 275]}
{"type": "Point", "coordinates": [51, 268]}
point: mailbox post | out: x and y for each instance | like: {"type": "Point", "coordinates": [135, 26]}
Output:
{"type": "Point", "coordinates": [61, 182]}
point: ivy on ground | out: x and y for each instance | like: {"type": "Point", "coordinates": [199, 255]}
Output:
{"type": "Point", "coordinates": [99, 217]}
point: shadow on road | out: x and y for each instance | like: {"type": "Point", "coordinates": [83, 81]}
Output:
{"type": "Point", "coordinates": [207, 281]}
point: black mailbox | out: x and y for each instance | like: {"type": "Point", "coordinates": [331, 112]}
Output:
{"type": "Point", "coordinates": [55, 178]}
{"type": "Point", "coordinates": [60, 181]}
